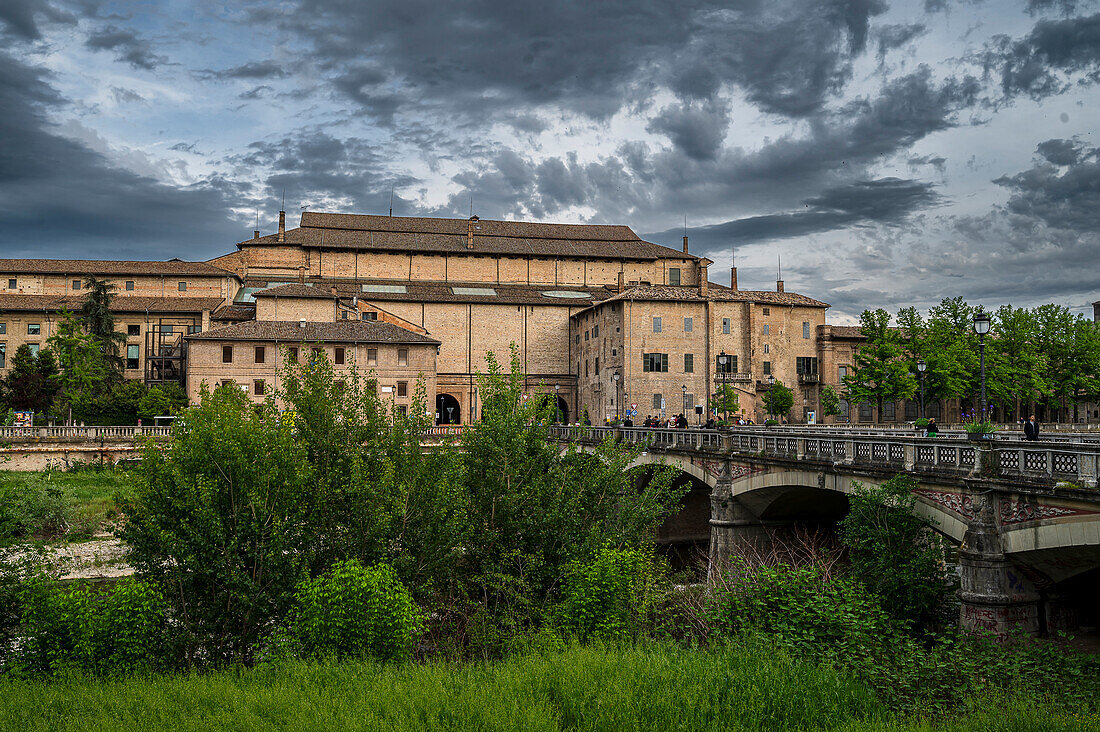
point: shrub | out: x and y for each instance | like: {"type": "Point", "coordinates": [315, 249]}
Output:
{"type": "Point", "coordinates": [609, 596]}
{"type": "Point", "coordinates": [771, 422]}
{"type": "Point", "coordinates": [356, 611]}
{"type": "Point", "coordinates": [118, 632]}
{"type": "Point", "coordinates": [33, 508]}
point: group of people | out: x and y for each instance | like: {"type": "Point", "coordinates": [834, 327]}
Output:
{"type": "Point", "coordinates": [1031, 428]}
{"type": "Point", "coordinates": [653, 421]}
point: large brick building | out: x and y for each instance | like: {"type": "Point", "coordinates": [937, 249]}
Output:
{"type": "Point", "coordinates": [599, 317]}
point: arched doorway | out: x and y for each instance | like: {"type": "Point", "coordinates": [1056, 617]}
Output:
{"type": "Point", "coordinates": [563, 411]}
{"type": "Point", "coordinates": [447, 410]}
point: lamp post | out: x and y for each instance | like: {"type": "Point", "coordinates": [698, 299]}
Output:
{"type": "Point", "coordinates": [557, 401]}
{"type": "Point", "coordinates": [981, 327]}
{"type": "Point", "coordinates": [921, 368]}
{"type": "Point", "coordinates": [618, 401]}
{"type": "Point", "coordinates": [683, 399]}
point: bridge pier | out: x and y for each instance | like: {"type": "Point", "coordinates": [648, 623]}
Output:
{"type": "Point", "coordinates": [994, 595]}
{"type": "Point", "coordinates": [732, 526]}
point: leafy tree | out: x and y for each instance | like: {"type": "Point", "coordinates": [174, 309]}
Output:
{"type": "Point", "coordinates": [162, 400]}
{"type": "Point", "coordinates": [778, 399]}
{"type": "Point", "coordinates": [830, 401]}
{"type": "Point", "coordinates": [1017, 369]}
{"type": "Point", "coordinates": [894, 552]}
{"type": "Point", "coordinates": [880, 372]}
{"type": "Point", "coordinates": [100, 321]}
{"type": "Point", "coordinates": [726, 400]}
{"type": "Point", "coordinates": [83, 367]}
{"type": "Point", "coordinates": [31, 384]}
{"type": "Point", "coordinates": [220, 520]}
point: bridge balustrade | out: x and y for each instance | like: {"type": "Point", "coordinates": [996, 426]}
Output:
{"type": "Point", "coordinates": [66, 432]}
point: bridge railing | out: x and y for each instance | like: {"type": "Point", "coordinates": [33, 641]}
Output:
{"type": "Point", "coordinates": [1013, 459]}
{"type": "Point", "coordinates": [65, 432]}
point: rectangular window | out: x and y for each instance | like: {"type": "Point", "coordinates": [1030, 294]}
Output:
{"type": "Point", "coordinates": [767, 329]}
{"type": "Point", "coordinates": [3, 355]}
{"type": "Point", "coordinates": [689, 363]}
{"type": "Point", "coordinates": [168, 329]}
{"type": "Point", "coordinates": [866, 412]}
{"type": "Point", "coordinates": [586, 368]}
{"type": "Point", "coordinates": [372, 357]}
{"type": "Point", "coordinates": [315, 354]}
{"type": "Point", "coordinates": [293, 351]}
{"type": "Point", "coordinates": [578, 339]}
{"type": "Point", "coordinates": [843, 408]}
{"type": "Point", "coordinates": [261, 354]}
{"type": "Point", "coordinates": [129, 285]}
{"type": "Point", "coordinates": [338, 355]}
{"type": "Point", "coordinates": [370, 315]}
{"type": "Point", "coordinates": [402, 357]}
{"type": "Point", "coordinates": [597, 365]}
{"type": "Point", "coordinates": [688, 324]}
{"type": "Point", "coordinates": [767, 311]}
{"type": "Point", "coordinates": [655, 362]}
{"type": "Point", "coordinates": [595, 331]}
{"type": "Point", "coordinates": [767, 368]}
{"type": "Point", "coordinates": [345, 314]}
{"type": "Point", "coordinates": [227, 354]}
{"type": "Point", "coordinates": [889, 410]}
{"type": "Point", "coordinates": [402, 388]}
{"type": "Point", "coordinates": [34, 329]}
{"type": "Point", "coordinates": [183, 287]}
{"type": "Point", "coordinates": [193, 329]}
{"type": "Point", "coordinates": [586, 334]}
{"type": "Point", "coordinates": [12, 284]}
{"type": "Point", "coordinates": [767, 349]}
{"type": "Point", "coordinates": [133, 330]}
{"type": "Point", "coordinates": [674, 276]}
{"type": "Point", "coordinates": [805, 365]}
{"type": "Point", "coordinates": [841, 371]}
{"type": "Point", "coordinates": [806, 330]}
{"type": "Point", "coordinates": [403, 410]}
{"type": "Point", "coordinates": [658, 400]}
{"type": "Point", "coordinates": [3, 328]}
{"type": "Point", "coordinates": [34, 349]}
{"type": "Point", "coordinates": [725, 325]}
{"type": "Point", "coordinates": [76, 284]}
{"type": "Point", "coordinates": [258, 387]}
{"type": "Point", "coordinates": [133, 355]}
{"type": "Point", "coordinates": [725, 364]}
{"type": "Point", "coordinates": [657, 325]}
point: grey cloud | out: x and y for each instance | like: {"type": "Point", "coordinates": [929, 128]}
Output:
{"type": "Point", "coordinates": [20, 18]}
{"type": "Point", "coordinates": [936, 161]}
{"type": "Point", "coordinates": [696, 129]}
{"type": "Point", "coordinates": [1061, 197]}
{"type": "Point", "coordinates": [1038, 65]}
{"type": "Point", "coordinates": [255, 92]}
{"type": "Point", "coordinates": [268, 69]}
{"type": "Point", "coordinates": [1060, 152]}
{"type": "Point", "coordinates": [128, 46]}
{"type": "Point", "coordinates": [890, 37]}
{"type": "Point", "coordinates": [57, 195]}
{"type": "Point", "coordinates": [186, 147]}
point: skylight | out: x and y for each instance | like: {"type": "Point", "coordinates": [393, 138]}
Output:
{"type": "Point", "coordinates": [483, 291]}
{"type": "Point", "coordinates": [570, 294]}
{"type": "Point", "coordinates": [391, 289]}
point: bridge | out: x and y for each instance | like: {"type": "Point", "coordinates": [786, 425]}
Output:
{"type": "Point", "coordinates": [1025, 516]}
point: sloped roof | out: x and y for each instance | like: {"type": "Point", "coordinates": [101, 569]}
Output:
{"type": "Point", "coordinates": [439, 236]}
{"type": "Point", "coordinates": [235, 311]}
{"type": "Point", "coordinates": [340, 331]}
{"type": "Point", "coordinates": [121, 304]}
{"type": "Point", "coordinates": [445, 292]}
{"type": "Point", "coordinates": [296, 290]}
{"type": "Point", "coordinates": [715, 294]}
{"type": "Point", "coordinates": [109, 267]}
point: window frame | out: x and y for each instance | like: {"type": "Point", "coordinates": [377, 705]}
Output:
{"type": "Point", "coordinates": [227, 353]}
{"type": "Point", "coordinates": [402, 357]}
{"type": "Point", "coordinates": [689, 363]}
{"type": "Point", "coordinates": [338, 355]}
{"type": "Point", "coordinates": [657, 324]}
{"type": "Point", "coordinates": [37, 329]}
{"type": "Point", "coordinates": [181, 286]}
{"type": "Point", "coordinates": [260, 354]}
{"type": "Point", "coordinates": [674, 274]}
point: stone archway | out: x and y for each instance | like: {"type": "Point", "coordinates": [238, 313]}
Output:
{"type": "Point", "coordinates": [447, 410]}
{"type": "Point", "coordinates": [562, 414]}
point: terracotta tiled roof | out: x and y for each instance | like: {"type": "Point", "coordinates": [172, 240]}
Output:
{"type": "Point", "coordinates": [108, 267]}
{"type": "Point", "coordinates": [295, 290]}
{"type": "Point", "coordinates": [691, 294]}
{"type": "Point", "coordinates": [235, 311]}
{"type": "Point", "coordinates": [341, 331]}
{"type": "Point", "coordinates": [118, 305]}
{"type": "Point", "coordinates": [842, 331]}
{"type": "Point", "coordinates": [504, 238]}
{"type": "Point", "coordinates": [445, 292]}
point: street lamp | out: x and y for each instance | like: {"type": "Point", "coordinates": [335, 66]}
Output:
{"type": "Point", "coordinates": [684, 399]}
{"type": "Point", "coordinates": [557, 401]}
{"type": "Point", "coordinates": [981, 327]}
{"type": "Point", "coordinates": [618, 401]}
{"type": "Point", "coordinates": [921, 368]}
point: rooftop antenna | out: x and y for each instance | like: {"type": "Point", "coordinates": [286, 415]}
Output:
{"type": "Point", "coordinates": [282, 207]}
{"type": "Point", "coordinates": [471, 205]}
{"type": "Point", "coordinates": [391, 199]}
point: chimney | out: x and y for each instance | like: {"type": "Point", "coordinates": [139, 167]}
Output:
{"type": "Point", "coordinates": [779, 285]}
{"type": "Point", "coordinates": [301, 275]}
{"type": "Point", "coordinates": [282, 226]}
{"type": "Point", "coordinates": [621, 285]}
{"type": "Point", "coordinates": [779, 276]}
{"type": "Point", "coordinates": [733, 278]}
{"type": "Point", "coordinates": [703, 284]}
{"type": "Point", "coordinates": [301, 324]}
{"type": "Point", "coordinates": [685, 243]}
{"type": "Point", "coordinates": [470, 232]}
{"type": "Point", "coordinates": [256, 234]}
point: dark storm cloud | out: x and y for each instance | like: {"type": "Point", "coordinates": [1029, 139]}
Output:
{"type": "Point", "coordinates": [20, 18]}
{"type": "Point", "coordinates": [890, 37]}
{"type": "Point", "coordinates": [884, 201]}
{"type": "Point", "coordinates": [1062, 197]}
{"type": "Point", "coordinates": [79, 205]}
{"type": "Point", "coordinates": [1041, 64]}
{"type": "Point", "coordinates": [127, 45]}
{"type": "Point", "coordinates": [253, 70]}
{"type": "Point", "coordinates": [1060, 152]}
{"type": "Point", "coordinates": [697, 130]}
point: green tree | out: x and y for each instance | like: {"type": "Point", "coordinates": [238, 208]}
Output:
{"type": "Point", "coordinates": [881, 372]}
{"type": "Point", "coordinates": [220, 520]}
{"type": "Point", "coordinates": [1017, 369]}
{"type": "Point", "coordinates": [726, 400]}
{"type": "Point", "coordinates": [778, 399]}
{"type": "Point", "coordinates": [100, 321]}
{"type": "Point", "coordinates": [83, 367]}
{"type": "Point", "coordinates": [162, 400]}
{"type": "Point", "coordinates": [895, 553]}
{"type": "Point", "coordinates": [830, 401]}
{"type": "Point", "coordinates": [31, 384]}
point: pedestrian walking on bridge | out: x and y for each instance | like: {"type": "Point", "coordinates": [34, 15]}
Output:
{"type": "Point", "coordinates": [1031, 429]}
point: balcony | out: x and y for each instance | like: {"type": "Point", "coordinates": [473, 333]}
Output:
{"type": "Point", "coordinates": [732, 378]}
{"type": "Point", "coordinates": [808, 378]}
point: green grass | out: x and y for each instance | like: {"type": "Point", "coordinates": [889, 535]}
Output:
{"type": "Point", "coordinates": [580, 688]}
{"type": "Point", "coordinates": [87, 498]}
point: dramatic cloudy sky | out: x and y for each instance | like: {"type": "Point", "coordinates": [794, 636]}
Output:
{"type": "Point", "coordinates": [892, 153]}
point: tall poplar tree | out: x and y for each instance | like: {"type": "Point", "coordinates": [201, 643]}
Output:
{"type": "Point", "coordinates": [881, 372]}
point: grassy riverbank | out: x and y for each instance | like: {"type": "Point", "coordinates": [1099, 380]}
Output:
{"type": "Point", "coordinates": [656, 687]}
{"type": "Point", "coordinates": [51, 504]}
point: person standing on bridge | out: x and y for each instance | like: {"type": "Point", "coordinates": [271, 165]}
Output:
{"type": "Point", "coordinates": [932, 429]}
{"type": "Point", "coordinates": [1031, 429]}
